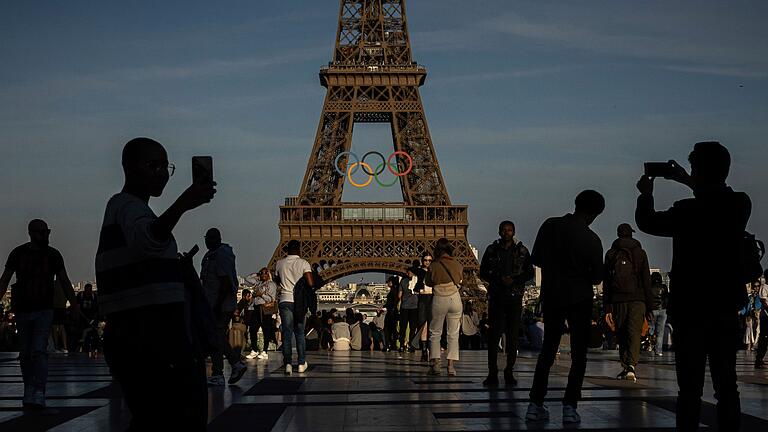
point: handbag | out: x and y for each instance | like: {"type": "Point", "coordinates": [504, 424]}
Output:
{"type": "Point", "coordinates": [269, 308]}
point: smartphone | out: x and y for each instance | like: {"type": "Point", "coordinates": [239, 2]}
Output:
{"type": "Point", "coordinates": [659, 169]}
{"type": "Point", "coordinates": [202, 169]}
{"type": "Point", "coordinates": [195, 249]}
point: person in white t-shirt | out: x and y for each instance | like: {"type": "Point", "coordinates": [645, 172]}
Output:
{"type": "Point", "coordinates": [289, 271]}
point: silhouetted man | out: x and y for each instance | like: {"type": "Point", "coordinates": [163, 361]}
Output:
{"type": "Point", "coordinates": [506, 266]}
{"type": "Point", "coordinates": [219, 279]}
{"type": "Point", "coordinates": [289, 271]}
{"type": "Point", "coordinates": [142, 294]}
{"type": "Point", "coordinates": [570, 256]}
{"type": "Point", "coordinates": [707, 287]}
{"type": "Point", "coordinates": [38, 268]}
{"type": "Point", "coordinates": [425, 305]}
{"type": "Point", "coordinates": [627, 295]}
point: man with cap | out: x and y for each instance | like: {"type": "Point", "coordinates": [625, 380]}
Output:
{"type": "Point", "coordinates": [219, 279]}
{"type": "Point", "coordinates": [627, 295]}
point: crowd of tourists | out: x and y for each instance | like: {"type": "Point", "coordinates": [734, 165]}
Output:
{"type": "Point", "coordinates": [145, 284]}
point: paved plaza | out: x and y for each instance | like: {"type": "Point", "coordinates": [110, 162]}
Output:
{"type": "Point", "coordinates": [352, 391]}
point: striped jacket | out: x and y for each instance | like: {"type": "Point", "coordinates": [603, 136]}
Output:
{"type": "Point", "coordinates": [132, 268]}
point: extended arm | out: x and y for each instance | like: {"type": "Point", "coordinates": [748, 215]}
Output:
{"type": "Point", "coordinates": [648, 220]}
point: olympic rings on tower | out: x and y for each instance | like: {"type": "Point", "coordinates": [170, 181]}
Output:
{"type": "Point", "coordinates": [385, 164]}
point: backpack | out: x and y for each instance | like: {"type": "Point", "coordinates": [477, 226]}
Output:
{"type": "Point", "coordinates": [752, 252]}
{"type": "Point", "coordinates": [622, 272]}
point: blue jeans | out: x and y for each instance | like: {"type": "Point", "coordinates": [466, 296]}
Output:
{"type": "Point", "coordinates": [659, 321]}
{"type": "Point", "coordinates": [34, 329]}
{"type": "Point", "coordinates": [290, 327]}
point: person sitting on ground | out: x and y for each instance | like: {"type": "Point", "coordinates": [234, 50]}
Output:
{"type": "Point", "coordinates": [340, 334]}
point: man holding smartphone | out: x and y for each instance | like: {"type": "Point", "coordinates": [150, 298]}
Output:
{"type": "Point", "coordinates": [707, 287]}
{"type": "Point", "coordinates": [142, 295]}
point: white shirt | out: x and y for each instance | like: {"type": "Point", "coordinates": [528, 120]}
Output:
{"type": "Point", "coordinates": [763, 294]}
{"type": "Point", "coordinates": [290, 269]}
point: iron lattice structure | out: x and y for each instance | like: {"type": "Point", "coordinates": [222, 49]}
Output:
{"type": "Point", "coordinates": [373, 79]}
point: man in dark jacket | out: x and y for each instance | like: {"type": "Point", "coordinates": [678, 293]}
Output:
{"type": "Point", "coordinates": [570, 256]}
{"type": "Point", "coordinates": [627, 295]}
{"type": "Point", "coordinates": [220, 283]}
{"type": "Point", "coordinates": [707, 287]}
{"type": "Point", "coordinates": [506, 266]}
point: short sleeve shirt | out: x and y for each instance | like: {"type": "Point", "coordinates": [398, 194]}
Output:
{"type": "Point", "coordinates": [290, 269]}
{"type": "Point", "coordinates": [36, 271]}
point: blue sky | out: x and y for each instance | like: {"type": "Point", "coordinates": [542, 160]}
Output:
{"type": "Point", "coordinates": [528, 103]}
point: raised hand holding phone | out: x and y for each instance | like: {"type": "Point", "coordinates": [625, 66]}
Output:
{"type": "Point", "coordinates": [203, 187]}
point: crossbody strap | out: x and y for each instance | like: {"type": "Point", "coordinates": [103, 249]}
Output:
{"type": "Point", "coordinates": [449, 273]}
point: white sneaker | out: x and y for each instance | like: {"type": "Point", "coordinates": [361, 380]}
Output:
{"type": "Point", "coordinates": [253, 355]}
{"type": "Point", "coordinates": [288, 369]}
{"type": "Point", "coordinates": [216, 380]}
{"type": "Point", "coordinates": [303, 367]}
{"type": "Point", "coordinates": [263, 356]}
{"type": "Point", "coordinates": [570, 415]}
{"type": "Point", "coordinates": [536, 413]}
{"type": "Point", "coordinates": [631, 375]}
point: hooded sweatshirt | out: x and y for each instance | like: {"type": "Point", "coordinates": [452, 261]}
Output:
{"type": "Point", "coordinates": [641, 291]}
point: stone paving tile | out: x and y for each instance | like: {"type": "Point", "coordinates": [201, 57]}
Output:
{"type": "Point", "coordinates": [391, 392]}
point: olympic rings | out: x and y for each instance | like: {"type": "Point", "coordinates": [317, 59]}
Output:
{"type": "Point", "coordinates": [386, 185]}
{"type": "Point", "coordinates": [385, 164]}
{"type": "Point", "coordinates": [349, 175]}
{"type": "Point", "coordinates": [382, 165]}
{"type": "Point", "coordinates": [410, 163]}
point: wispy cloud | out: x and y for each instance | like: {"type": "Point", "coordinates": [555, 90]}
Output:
{"type": "Point", "coordinates": [493, 76]}
{"type": "Point", "coordinates": [643, 40]}
{"type": "Point", "coordinates": [218, 67]}
{"type": "Point", "coordinates": [719, 70]}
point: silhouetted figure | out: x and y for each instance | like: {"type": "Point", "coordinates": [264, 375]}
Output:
{"type": "Point", "coordinates": [627, 295]}
{"type": "Point", "coordinates": [707, 288]}
{"type": "Point", "coordinates": [762, 341]}
{"type": "Point", "coordinates": [570, 256]}
{"type": "Point", "coordinates": [506, 266]}
{"type": "Point", "coordinates": [409, 310]}
{"type": "Point", "coordinates": [38, 268]}
{"type": "Point", "coordinates": [659, 300]}
{"type": "Point", "coordinates": [142, 294]}
{"type": "Point", "coordinates": [219, 278]}
{"type": "Point", "coordinates": [289, 271]}
{"type": "Point", "coordinates": [391, 313]}
{"type": "Point", "coordinates": [425, 306]}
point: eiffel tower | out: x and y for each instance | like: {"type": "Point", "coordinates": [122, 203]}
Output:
{"type": "Point", "coordinates": [373, 79]}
